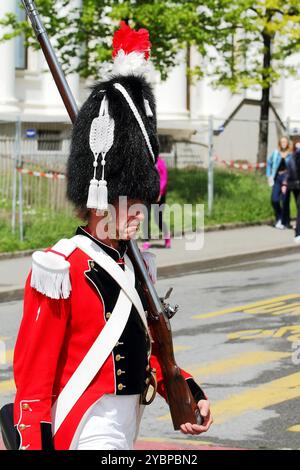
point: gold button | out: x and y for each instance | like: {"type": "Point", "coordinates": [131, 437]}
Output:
{"type": "Point", "coordinates": [119, 372]}
{"type": "Point", "coordinates": [25, 406]}
{"type": "Point", "coordinates": [148, 368]}
{"type": "Point", "coordinates": [118, 357]}
{"type": "Point", "coordinates": [92, 264]}
{"type": "Point", "coordinates": [147, 381]}
{"type": "Point", "coordinates": [107, 315]}
{"type": "Point", "coordinates": [120, 387]}
{"type": "Point", "coordinates": [22, 427]}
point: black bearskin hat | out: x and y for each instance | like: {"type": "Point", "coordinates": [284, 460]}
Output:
{"type": "Point", "coordinates": [129, 166]}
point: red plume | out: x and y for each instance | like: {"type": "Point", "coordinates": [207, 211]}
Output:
{"type": "Point", "coordinates": [131, 41]}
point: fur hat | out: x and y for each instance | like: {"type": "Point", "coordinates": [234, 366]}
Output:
{"type": "Point", "coordinates": [118, 123]}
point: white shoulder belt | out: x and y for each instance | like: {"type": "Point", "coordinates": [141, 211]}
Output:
{"type": "Point", "coordinates": [110, 334]}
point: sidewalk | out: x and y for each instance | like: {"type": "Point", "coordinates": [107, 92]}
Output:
{"type": "Point", "coordinates": [221, 248]}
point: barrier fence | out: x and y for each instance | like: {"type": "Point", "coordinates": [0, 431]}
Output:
{"type": "Point", "coordinates": [33, 161]}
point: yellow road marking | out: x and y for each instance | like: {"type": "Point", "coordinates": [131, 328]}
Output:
{"type": "Point", "coordinates": [251, 334]}
{"type": "Point", "coordinates": [286, 329]}
{"type": "Point", "coordinates": [278, 309]}
{"type": "Point", "coordinates": [295, 428]}
{"type": "Point", "coordinates": [234, 363]}
{"type": "Point", "coordinates": [178, 348]}
{"type": "Point", "coordinates": [7, 386]}
{"type": "Point", "coordinates": [245, 308]}
{"type": "Point", "coordinates": [291, 332]}
{"type": "Point", "coordinates": [263, 396]}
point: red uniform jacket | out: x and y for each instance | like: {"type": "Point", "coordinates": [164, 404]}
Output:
{"type": "Point", "coordinates": [54, 337]}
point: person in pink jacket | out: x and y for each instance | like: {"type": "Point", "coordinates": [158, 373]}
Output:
{"type": "Point", "coordinates": [158, 214]}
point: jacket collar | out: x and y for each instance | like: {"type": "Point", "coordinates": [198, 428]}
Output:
{"type": "Point", "coordinates": [115, 254]}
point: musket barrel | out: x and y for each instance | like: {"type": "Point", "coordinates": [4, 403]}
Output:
{"type": "Point", "coordinates": [58, 75]}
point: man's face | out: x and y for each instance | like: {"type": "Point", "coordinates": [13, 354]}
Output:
{"type": "Point", "coordinates": [122, 220]}
{"type": "Point", "coordinates": [129, 215]}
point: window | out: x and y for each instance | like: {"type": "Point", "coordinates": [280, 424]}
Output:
{"type": "Point", "coordinates": [20, 48]}
{"type": "Point", "coordinates": [49, 140]}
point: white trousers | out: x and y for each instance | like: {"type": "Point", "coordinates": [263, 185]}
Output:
{"type": "Point", "coordinates": [111, 424]}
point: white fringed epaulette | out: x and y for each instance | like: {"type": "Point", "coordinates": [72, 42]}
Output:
{"type": "Point", "coordinates": [50, 270]}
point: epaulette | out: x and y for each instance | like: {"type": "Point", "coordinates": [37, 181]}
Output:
{"type": "Point", "coordinates": [50, 270]}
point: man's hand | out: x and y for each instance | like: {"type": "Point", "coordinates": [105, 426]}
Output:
{"type": "Point", "coordinates": [204, 409]}
{"type": "Point", "coordinates": [284, 189]}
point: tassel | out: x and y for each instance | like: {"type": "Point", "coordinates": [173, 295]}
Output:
{"type": "Point", "coordinates": [147, 108]}
{"type": "Point", "coordinates": [50, 275]}
{"type": "Point", "coordinates": [102, 196]}
{"type": "Point", "coordinates": [101, 140]}
{"type": "Point", "coordinates": [93, 195]}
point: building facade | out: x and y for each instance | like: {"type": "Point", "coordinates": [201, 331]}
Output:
{"type": "Point", "coordinates": [28, 94]}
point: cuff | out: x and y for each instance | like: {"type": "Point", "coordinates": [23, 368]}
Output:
{"type": "Point", "coordinates": [196, 391]}
{"type": "Point", "coordinates": [33, 424]}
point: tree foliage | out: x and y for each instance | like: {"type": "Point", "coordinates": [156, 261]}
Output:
{"type": "Point", "coordinates": [227, 33]}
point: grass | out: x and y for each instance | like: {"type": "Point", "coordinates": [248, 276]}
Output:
{"type": "Point", "coordinates": [238, 197]}
{"type": "Point", "coordinates": [39, 231]}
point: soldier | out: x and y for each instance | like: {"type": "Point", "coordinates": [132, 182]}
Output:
{"type": "Point", "coordinates": [84, 361]}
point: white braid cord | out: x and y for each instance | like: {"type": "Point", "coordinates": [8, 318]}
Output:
{"type": "Point", "coordinates": [133, 108]}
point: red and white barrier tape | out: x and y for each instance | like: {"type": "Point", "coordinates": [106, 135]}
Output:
{"type": "Point", "coordinates": [25, 171]}
{"type": "Point", "coordinates": [240, 166]}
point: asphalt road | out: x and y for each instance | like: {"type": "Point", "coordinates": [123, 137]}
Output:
{"type": "Point", "coordinates": [238, 332]}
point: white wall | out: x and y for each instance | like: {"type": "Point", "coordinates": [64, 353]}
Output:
{"type": "Point", "coordinates": [33, 93]}
{"type": "Point", "coordinates": [7, 60]}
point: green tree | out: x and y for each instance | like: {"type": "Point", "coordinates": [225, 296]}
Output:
{"type": "Point", "coordinates": [251, 48]}
{"type": "Point", "coordinates": [86, 32]}
{"type": "Point", "coordinates": [244, 43]}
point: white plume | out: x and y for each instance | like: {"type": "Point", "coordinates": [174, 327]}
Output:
{"type": "Point", "coordinates": [132, 63]}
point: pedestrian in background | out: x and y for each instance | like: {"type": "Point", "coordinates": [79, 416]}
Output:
{"type": "Point", "coordinates": [158, 214]}
{"type": "Point", "coordinates": [292, 183]}
{"type": "Point", "coordinates": [277, 175]}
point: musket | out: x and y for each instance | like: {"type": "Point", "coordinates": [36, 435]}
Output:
{"type": "Point", "coordinates": [183, 407]}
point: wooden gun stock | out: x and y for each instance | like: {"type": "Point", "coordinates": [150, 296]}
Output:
{"type": "Point", "coordinates": [182, 405]}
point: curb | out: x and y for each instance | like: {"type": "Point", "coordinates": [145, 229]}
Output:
{"type": "Point", "coordinates": [210, 228]}
{"type": "Point", "coordinates": [10, 295]}
{"type": "Point", "coordinates": [182, 269]}
{"type": "Point", "coordinates": [233, 225]}
{"type": "Point", "coordinates": [222, 262]}
{"type": "Point", "coordinates": [18, 254]}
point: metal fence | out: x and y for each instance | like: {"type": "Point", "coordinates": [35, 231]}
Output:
{"type": "Point", "coordinates": [33, 160]}
{"type": "Point", "coordinates": [32, 171]}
